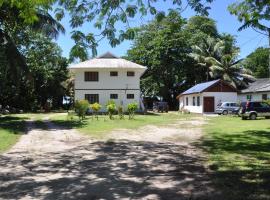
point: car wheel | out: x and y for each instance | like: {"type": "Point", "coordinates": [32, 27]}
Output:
{"type": "Point", "coordinates": [225, 112]}
{"type": "Point", "coordinates": [267, 117]}
{"type": "Point", "coordinates": [252, 116]}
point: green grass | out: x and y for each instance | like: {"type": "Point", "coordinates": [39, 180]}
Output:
{"type": "Point", "coordinates": [11, 128]}
{"type": "Point", "coordinates": [98, 128]}
{"type": "Point", "coordinates": [239, 153]}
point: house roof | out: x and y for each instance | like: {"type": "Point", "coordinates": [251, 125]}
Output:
{"type": "Point", "coordinates": [200, 87]}
{"type": "Point", "coordinates": [107, 60]}
{"type": "Point", "coordinates": [260, 85]}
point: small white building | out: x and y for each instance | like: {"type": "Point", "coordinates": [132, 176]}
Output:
{"type": "Point", "coordinates": [204, 97]}
{"type": "Point", "coordinates": [257, 91]}
{"type": "Point", "coordinates": [108, 77]}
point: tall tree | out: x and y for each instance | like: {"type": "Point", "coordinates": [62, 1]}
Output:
{"type": "Point", "coordinates": [205, 51]}
{"type": "Point", "coordinates": [255, 14]}
{"type": "Point", "coordinates": [257, 62]}
{"type": "Point", "coordinates": [163, 48]}
{"type": "Point", "coordinates": [231, 70]}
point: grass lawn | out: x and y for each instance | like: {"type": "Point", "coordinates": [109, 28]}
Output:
{"type": "Point", "coordinates": [97, 128]}
{"type": "Point", "coordinates": [11, 128]}
{"type": "Point", "coordinates": [239, 153]}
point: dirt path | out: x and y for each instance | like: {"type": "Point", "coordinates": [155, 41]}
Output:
{"type": "Point", "coordinates": [148, 163]}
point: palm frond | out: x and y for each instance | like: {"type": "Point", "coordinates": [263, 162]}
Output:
{"type": "Point", "coordinates": [48, 25]}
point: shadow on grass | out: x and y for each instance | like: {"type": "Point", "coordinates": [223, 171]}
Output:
{"type": "Point", "coordinates": [15, 125]}
{"type": "Point", "coordinates": [245, 175]}
{"type": "Point", "coordinates": [108, 170]}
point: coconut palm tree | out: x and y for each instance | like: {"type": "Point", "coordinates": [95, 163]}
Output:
{"type": "Point", "coordinates": [12, 27]}
{"type": "Point", "coordinates": [229, 69]}
{"type": "Point", "coordinates": [204, 52]}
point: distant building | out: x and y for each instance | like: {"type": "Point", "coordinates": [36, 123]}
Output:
{"type": "Point", "coordinates": [257, 91]}
{"type": "Point", "coordinates": [108, 77]}
{"type": "Point", "coordinates": [204, 97]}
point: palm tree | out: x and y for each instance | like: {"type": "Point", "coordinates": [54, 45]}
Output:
{"type": "Point", "coordinates": [229, 69]}
{"type": "Point", "coordinates": [11, 25]}
{"type": "Point", "coordinates": [204, 52]}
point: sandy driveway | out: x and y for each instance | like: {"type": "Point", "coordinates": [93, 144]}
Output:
{"type": "Point", "coordinates": [149, 163]}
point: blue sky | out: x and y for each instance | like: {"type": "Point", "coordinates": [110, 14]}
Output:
{"type": "Point", "coordinates": [248, 40]}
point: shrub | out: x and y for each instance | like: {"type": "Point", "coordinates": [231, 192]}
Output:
{"type": "Point", "coordinates": [81, 107]}
{"type": "Point", "coordinates": [132, 107]}
{"type": "Point", "coordinates": [121, 112]}
{"type": "Point", "coordinates": [95, 107]}
{"type": "Point", "coordinates": [111, 108]}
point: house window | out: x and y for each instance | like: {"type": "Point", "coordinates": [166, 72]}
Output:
{"type": "Point", "coordinates": [130, 73]}
{"type": "Point", "coordinates": [198, 101]}
{"type": "Point", "coordinates": [186, 101]}
{"type": "Point", "coordinates": [92, 98]}
{"type": "Point", "coordinates": [264, 97]}
{"type": "Point", "coordinates": [193, 101]}
{"type": "Point", "coordinates": [113, 73]}
{"type": "Point", "coordinates": [249, 97]}
{"type": "Point", "coordinates": [113, 96]}
{"type": "Point", "coordinates": [130, 96]}
{"type": "Point", "coordinates": [91, 76]}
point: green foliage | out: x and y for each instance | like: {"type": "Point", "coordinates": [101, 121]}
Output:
{"type": "Point", "coordinates": [111, 108]}
{"type": "Point", "coordinates": [164, 47]}
{"type": "Point", "coordinates": [131, 108]}
{"type": "Point", "coordinates": [81, 107]}
{"type": "Point", "coordinates": [120, 112]}
{"type": "Point", "coordinates": [257, 62]}
{"type": "Point", "coordinates": [253, 14]}
{"type": "Point", "coordinates": [107, 14]}
{"type": "Point", "coordinates": [96, 108]}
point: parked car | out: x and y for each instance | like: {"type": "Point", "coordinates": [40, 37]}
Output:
{"type": "Point", "coordinates": [160, 107]}
{"type": "Point", "coordinates": [254, 109]}
{"type": "Point", "coordinates": [225, 108]}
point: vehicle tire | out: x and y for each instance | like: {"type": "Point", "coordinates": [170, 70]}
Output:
{"type": "Point", "coordinates": [267, 117]}
{"type": "Point", "coordinates": [253, 116]}
{"type": "Point", "coordinates": [225, 112]}
{"type": "Point", "coordinates": [244, 118]}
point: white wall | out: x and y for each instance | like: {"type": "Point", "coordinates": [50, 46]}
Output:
{"type": "Point", "coordinates": [222, 97]}
{"type": "Point", "coordinates": [190, 107]}
{"type": "Point", "coordinates": [122, 81]}
{"type": "Point", "coordinates": [219, 97]}
{"type": "Point", "coordinates": [104, 96]}
{"type": "Point", "coordinates": [255, 96]}
{"type": "Point", "coordinates": [106, 85]}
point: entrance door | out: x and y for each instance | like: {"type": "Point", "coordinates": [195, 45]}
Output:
{"type": "Point", "coordinates": [209, 104]}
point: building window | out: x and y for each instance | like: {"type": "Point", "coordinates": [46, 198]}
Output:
{"type": "Point", "coordinates": [130, 73]}
{"type": "Point", "coordinates": [249, 97]}
{"type": "Point", "coordinates": [130, 96]}
{"type": "Point", "coordinates": [186, 101]}
{"type": "Point", "coordinates": [91, 76]}
{"type": "Point", "coordinates": [264, 97]}
{"type": "Point", "coordinates": [113, 73]}
{"type": "Point", "coordinates": [113, 96]}
{"type": "Point", "coordinates": [198, 101]}
{"type": "Point", "coordinates": [92, 98]}
{"type": "Point", "coordinates": [193, 101]}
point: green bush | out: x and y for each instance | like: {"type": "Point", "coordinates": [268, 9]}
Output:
{"type": "Point", "coordinates": [81, 107]}
{"type": "Point", "coordinates": [132, 107]}
{"type": "Point", "coordinates": [267, 101]}
{"type": "Point", "coordinates": [111, 108]}
{"type": "Point", "coordinates": [121, 112]}
{"type": "Point", "coordinates": [96, 108]}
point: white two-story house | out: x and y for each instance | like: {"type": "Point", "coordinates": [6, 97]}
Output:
{"type": "Point", "coordinates": [108, 77]}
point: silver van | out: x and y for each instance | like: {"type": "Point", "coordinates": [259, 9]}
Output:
{"type": "Point", "coordinates": [225, 108]}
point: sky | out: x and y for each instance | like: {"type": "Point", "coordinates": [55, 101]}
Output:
{"type": "Point", "coordinates": [248, 40]}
